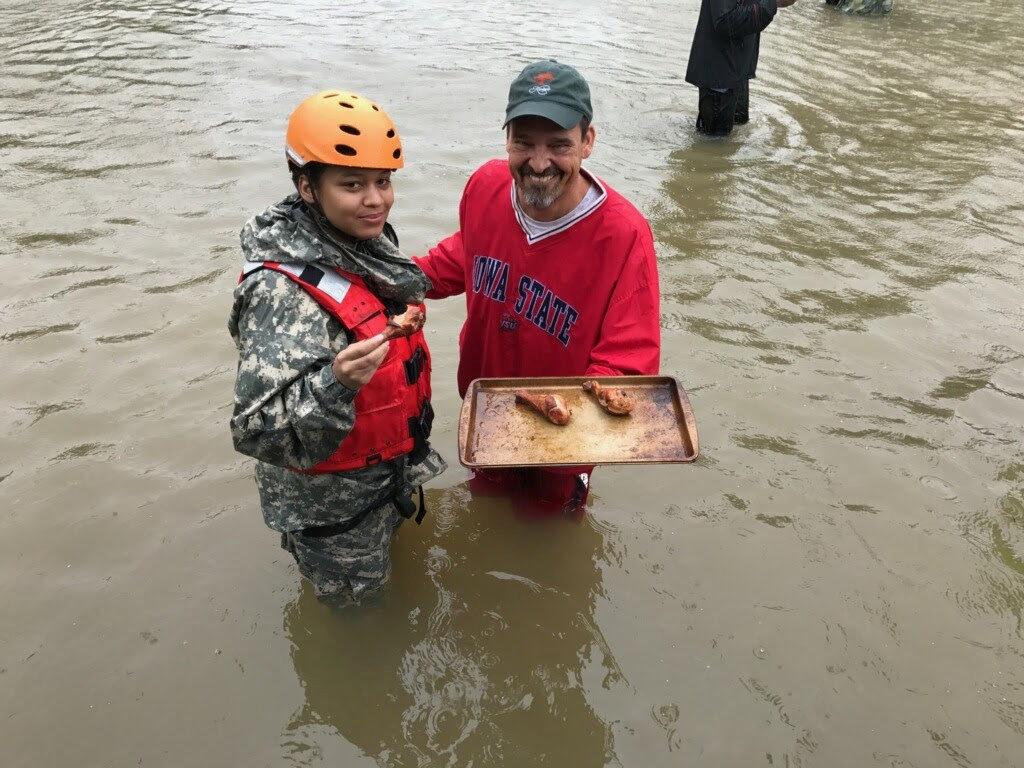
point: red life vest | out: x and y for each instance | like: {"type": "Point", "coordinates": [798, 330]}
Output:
{"type": "Point", "coordinates": [393, 413]}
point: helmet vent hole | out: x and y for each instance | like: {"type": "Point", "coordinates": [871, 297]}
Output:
{"type": "Point", "coordinates": [391, 133]}
{"type": "Point", "coordinates": [346, 104]}
{"type": "Point", "coordinates": [397, 153]}
{"type": "Point", "coordinates": [375, 108]}
{"type": "Point", "coordinates": [330, 96]}
{"type": "Point", "coordinates": [351, 130]}
{"type": "Point", "coordinates": [345, 149]}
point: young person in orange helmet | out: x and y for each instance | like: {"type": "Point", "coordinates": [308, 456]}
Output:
{"type": "Point", "coordinates": [337, 416]}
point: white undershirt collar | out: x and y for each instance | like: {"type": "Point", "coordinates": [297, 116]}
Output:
{"type": "Point", "coordinates": [536, 231]}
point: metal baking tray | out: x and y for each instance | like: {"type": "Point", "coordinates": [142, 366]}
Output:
{"type": "Point", "coordinates": [494, 431]}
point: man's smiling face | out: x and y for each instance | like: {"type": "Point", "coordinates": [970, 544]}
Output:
{"type": "Point", "coordinates": [545, 159]}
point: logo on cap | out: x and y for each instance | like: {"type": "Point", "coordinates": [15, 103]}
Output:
{"type": "Point", "coordinates": [542, 88]}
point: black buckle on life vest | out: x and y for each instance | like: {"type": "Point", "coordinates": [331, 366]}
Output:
{"type": "Point", "coordinates": [407, 508]}
{"type": "Point", "coordinates": [419, 429]}
{"type": "Point", "coordinates": [414, 366]}
{"type": "Point", "coordinates": [402, 501]}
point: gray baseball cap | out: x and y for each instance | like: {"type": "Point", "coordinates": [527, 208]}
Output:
{"type": "Point", "coordinates": [550, 89]}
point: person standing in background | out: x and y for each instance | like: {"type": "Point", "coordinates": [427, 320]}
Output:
{"type": "Point", "coordinates": [723, 59]}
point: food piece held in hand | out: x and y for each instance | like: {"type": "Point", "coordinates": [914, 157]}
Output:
{"type": "Point", "coordinates": [405, 324]}
{"type": "Point", "coordinates": [551, 407]}
{"type": "Point", "coordinates": [615, 400]}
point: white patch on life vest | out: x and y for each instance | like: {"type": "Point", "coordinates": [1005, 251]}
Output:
{"type": "Point", "coordinates": [294, 269]}
{"type": "Point", "coordinates": [333, 284]}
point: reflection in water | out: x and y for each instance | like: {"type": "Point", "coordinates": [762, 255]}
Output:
{"type": "Point", "coordinates": [841, 296]}
{"type": "Point", "coordinates": [998, 537]}
{"type": "Point", "coordinates": [476, 660]}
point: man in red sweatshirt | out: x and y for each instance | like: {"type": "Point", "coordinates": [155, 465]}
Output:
{"type": "Point", "coordinates": [558, 268]}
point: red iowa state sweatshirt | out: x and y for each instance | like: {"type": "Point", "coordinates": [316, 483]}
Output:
{"type": "Point", "coordinates": [582, 301]}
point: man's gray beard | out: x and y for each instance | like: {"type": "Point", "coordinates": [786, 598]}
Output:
{"type": "Point", "coordinates": [535, 198]}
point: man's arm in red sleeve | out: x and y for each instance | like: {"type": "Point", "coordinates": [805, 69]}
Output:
{"type": "Point", "coordinates": [445, 266]}
{"type": "Point", "coordinates": [630, 340]}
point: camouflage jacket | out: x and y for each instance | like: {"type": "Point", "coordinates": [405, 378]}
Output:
{"type": "Point", "coordinates": [862, 6]}
{"type": "Point", "coordinates": [290, 411]}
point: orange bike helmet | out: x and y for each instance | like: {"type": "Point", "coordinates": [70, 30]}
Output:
{"type": "Point", "coordinates": [342, 128]}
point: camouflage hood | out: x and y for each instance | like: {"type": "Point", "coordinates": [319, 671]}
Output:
{"type": "Point", "coordinates": [295, 233]}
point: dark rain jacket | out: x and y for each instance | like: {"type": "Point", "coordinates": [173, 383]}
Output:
{"type": "Point", "coordinates": [726, 41]}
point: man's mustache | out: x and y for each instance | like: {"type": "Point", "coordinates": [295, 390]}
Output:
{"type": "Point", "coordinates": [550, 173]}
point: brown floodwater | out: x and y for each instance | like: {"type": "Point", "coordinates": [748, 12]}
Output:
{"type": "Point", "coordinates": [838, 581]}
